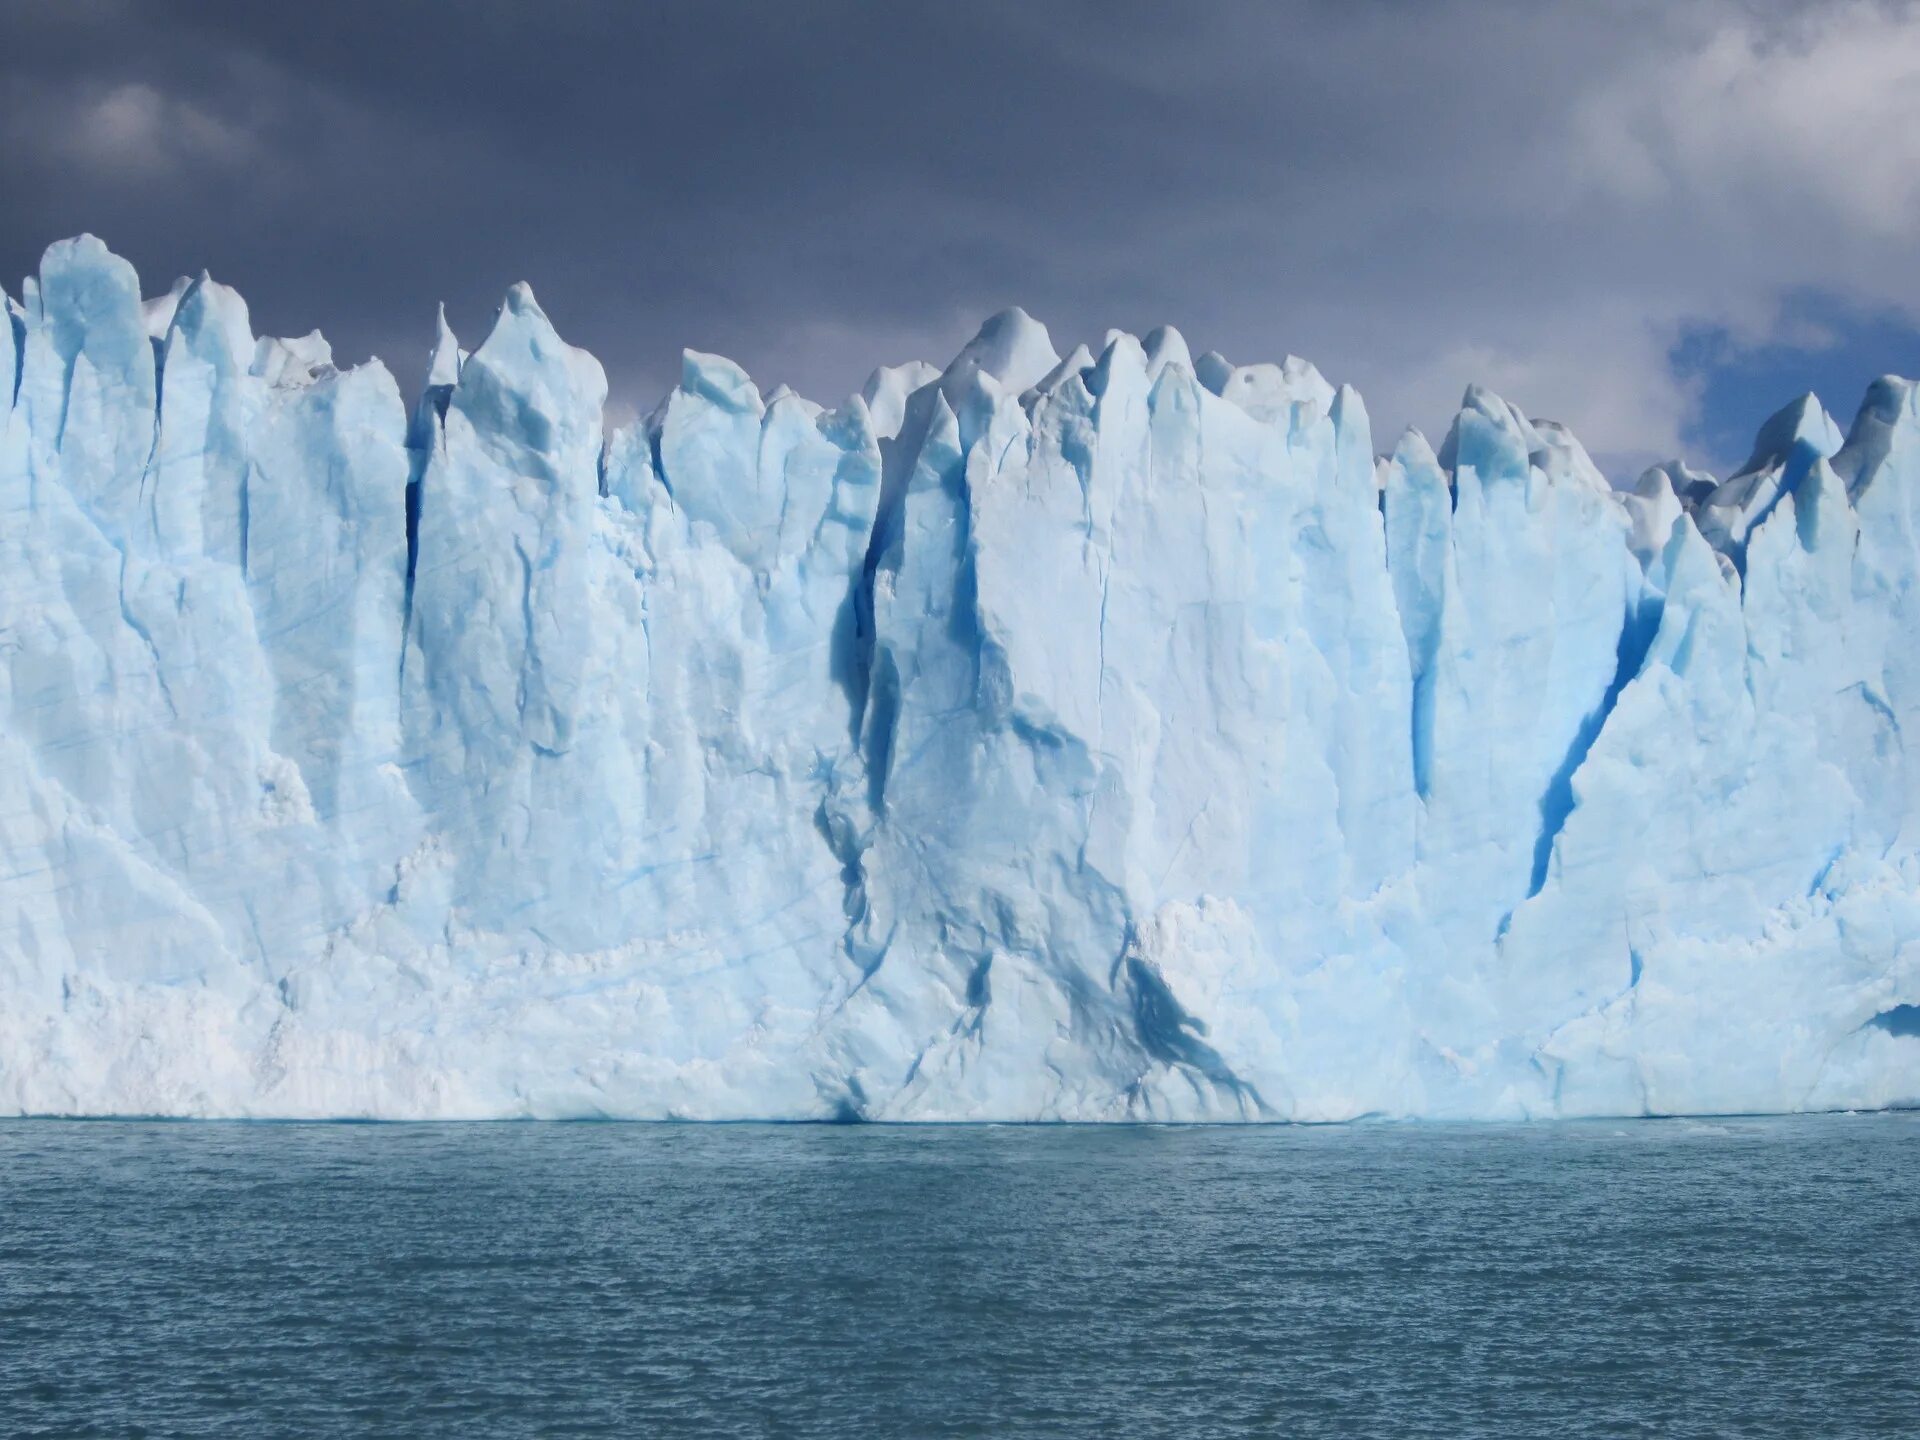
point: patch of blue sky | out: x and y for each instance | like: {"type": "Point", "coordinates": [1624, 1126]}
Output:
{"type": "Point", "coordinates": [1821, 343]}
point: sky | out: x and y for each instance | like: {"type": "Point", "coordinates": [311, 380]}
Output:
{"type": "Point", "coordinates": [1656, 222]}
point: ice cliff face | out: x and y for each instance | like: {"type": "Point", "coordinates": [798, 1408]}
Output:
{"type": "Point", "coordinates": [1092, 738]}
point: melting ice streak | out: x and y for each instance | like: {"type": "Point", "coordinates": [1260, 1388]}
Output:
{"type": "Point", "coordinates": [1095, 738]}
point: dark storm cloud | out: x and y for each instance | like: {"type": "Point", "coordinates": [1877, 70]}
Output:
{"type": "Point", "coordinates": [1544, 197]}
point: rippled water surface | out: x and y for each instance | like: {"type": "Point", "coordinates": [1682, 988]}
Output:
{"type": "Point", "coordinates": [1660, 1278]}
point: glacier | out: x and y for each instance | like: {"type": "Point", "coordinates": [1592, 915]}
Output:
{"type": "Point", "coordinates": [1103, 737]}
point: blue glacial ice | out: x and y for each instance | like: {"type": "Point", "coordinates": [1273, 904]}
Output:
{"type": "Point", "coordinates": [1093, 738]}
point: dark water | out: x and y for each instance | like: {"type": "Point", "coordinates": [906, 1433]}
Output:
{"type": "Point", "coordinates": [1652, 1278]}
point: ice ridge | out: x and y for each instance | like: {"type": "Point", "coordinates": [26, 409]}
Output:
{"type": "Point", "coordinates": [1109, 736]}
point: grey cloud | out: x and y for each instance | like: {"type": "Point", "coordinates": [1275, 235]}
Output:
{"type": "Point", "coordinates": [1414, 196]}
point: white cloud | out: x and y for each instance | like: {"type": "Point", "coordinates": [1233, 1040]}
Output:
{"type": "Point", "coordinates": [129, 132]}
{"type": "Point", "coordinates": [1823, 112]}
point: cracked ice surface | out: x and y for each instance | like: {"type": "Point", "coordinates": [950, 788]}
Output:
{"type": "Point", "coordinates": [1101, 737]}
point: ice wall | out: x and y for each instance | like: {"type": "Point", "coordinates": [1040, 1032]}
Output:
{"type": "Point", "coordinates": [1096, 738]}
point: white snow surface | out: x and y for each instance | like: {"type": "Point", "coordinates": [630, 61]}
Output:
{"type": "Point", "coordinates": [1102, 738]}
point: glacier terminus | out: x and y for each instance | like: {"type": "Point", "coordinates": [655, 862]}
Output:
{"type": "Point", "coordinates": [1106, 737]}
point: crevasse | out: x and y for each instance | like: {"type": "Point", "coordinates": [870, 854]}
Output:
{"type": "Point", "coordinates": [1100, 738]}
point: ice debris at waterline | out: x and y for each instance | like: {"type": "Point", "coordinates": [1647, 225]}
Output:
{"type": "Point", "coordinates": [1089, 738]}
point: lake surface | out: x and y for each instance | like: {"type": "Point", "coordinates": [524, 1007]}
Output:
{"type": "Point", "coordinates": [1659, 1278]}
